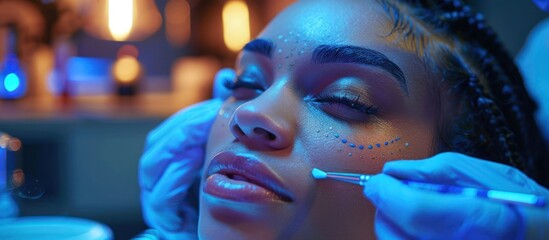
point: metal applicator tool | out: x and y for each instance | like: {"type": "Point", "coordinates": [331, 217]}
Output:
{"type": "Point", "coordinates": [496, 195]}
{"type": "Point", "coordinates": [355, 178]}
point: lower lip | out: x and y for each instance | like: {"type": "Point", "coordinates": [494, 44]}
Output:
{"type": "Point", "coordinates": [221, 186]}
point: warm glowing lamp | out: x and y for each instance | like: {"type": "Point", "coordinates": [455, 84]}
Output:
{"type": "Point", "coordinates": [127, 70]}
{"type": "Point", "coordinates": [236, 24]}
{"type": "Point", "coordinates": [122, 20]}
{"type": "Point", "coordinates": [120, 15]}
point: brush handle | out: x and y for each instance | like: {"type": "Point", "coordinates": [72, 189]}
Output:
{"type": "Point", "coordinates": [502, 196]}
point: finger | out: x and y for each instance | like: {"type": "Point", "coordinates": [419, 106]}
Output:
{"type": "Point", "coordinates": [172, 187]}
{"type": "Point", "coordinates": [187, 129]}
{"type": "Point", "coordinates": [440, 168]}
{"type": "Point", "coordinates": [434, 215]}
{"type": "Point", "coordinates": [219, 89]}
{"type": "Point", "coordinates": [458, 169]}
{"type": "Point", "coordinates": [168, 196]}
{"type": "Point", "coordinates": [169, 220]}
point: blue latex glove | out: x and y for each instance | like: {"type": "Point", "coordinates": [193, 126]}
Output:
{"type": "Point", "coordinates": [173, 157]}
{"type": "Point", "coordinates": [543, 4]}
{"type": "Point", "coordinates": [404, 212]}
{"type": "Point", "coordinates": [533, 61]}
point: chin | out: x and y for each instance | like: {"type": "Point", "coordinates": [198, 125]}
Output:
{"type": "Point", "coordinates": [225, 219]}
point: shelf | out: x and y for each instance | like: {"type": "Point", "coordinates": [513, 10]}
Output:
{"type": "Point", "coordinates": [158, 105]}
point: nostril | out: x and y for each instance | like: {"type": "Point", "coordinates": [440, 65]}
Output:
{"type": "Point", "coordinates": [264, 133]}
{"type": "Point", "coordinates": [238, 131]}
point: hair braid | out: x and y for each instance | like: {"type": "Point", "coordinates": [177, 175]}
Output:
{"type": "Point", "coordinates": [505, 82]}
{"type": "Point", "coordinates": [482, 76]}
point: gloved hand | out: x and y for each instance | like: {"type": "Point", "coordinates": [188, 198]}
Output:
{"type": "Point", "coordinates": [404, 212]}
{"type": "Point", "coordinates": [542, 4]}
{"type": "Point", "coordinates": [173, 157]}
{"type": "Point", "coordinates": [533, 60]}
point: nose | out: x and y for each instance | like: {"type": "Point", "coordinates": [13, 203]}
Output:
{"type": "Point", "coordinates": [262, 127]}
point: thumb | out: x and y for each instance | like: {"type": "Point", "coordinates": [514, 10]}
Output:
{"type": "Point", "coordinates": [185, 130]}
{"type": "Point", "coordinates": [221, 78]}
{"type": "Point", "coordinates": [434, 215]}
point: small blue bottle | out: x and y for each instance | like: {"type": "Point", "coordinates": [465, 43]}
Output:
{"type": "Point", "coordinates": [13, 80]}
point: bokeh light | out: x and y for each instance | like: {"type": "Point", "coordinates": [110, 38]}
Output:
{"type": "Point", "coordinates": [120, 18]}
{"type": "Point", "coordinates": [17, 178]}
{"type": "Point", "coordinates": [11, 82]}
{"type": "Point", "coordinates": [236, 24]}
{"type": "Point", "coordinates": [126, 69]}
{"type": "Point", "coordinates": [14, 144]}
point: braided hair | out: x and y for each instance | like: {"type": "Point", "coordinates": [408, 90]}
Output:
{"type": "Point", "coordinates": [494, 112]}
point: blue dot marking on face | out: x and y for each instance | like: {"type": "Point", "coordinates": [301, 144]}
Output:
{"type": "Point", "coordinates": [361, 147]}
{"type": "Point", "coordinates": [336, 135]}
{"type": "Point", "coordinates": [378, 145]}
{"type": "Point", "coordinates": [386, 143]}
{"type": "Point", "coordinates": [370, 146]}
{"type": "Point", "coordinates": [344, 140]}
{"type": "Point", "coordinates": [352, 145]}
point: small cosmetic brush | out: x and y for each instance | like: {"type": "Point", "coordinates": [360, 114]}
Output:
{"type": "Point", "coordinates": [502, 196]}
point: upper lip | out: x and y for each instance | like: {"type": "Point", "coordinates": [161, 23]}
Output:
{"type": "Point", "coordinates": [228, 163]}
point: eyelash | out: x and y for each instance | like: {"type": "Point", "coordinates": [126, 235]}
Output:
{"type": "Point", "coordinates": [241, 82]}
{"type": "Point", "coordinates": [353, 103]}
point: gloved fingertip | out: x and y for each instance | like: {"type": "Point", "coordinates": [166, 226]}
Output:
{"type": "Point", "coordinates": [371, 189]}
{"type": "Point", "coordinates": [389, 167]}
{"type": "Point", "coordinates": [400, 168]}
{"type": "Point", "coordinates": [222, 76]}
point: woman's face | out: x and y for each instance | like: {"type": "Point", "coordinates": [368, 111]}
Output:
{"type": "Point", "coordinates": [322, 88]}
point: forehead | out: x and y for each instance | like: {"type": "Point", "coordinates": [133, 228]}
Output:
{"type": "Point", "coordinates": [350, 22]}
{"type": "Point", "coordinates": [305, 25]}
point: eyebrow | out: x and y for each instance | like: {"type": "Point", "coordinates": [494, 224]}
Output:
{"type": "Point", "coordinates": [358, 55]}
{"type": "Point", "coordinates": [261, 46]}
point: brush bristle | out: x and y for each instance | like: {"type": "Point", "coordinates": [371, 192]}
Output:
{"type": "Point", "coordinates": [318, 174]}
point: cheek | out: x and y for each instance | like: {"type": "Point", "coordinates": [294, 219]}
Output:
{"type": "Point", "coordinates": [362, 152]}
{"type": "Point", "coordinates": [220, 132]}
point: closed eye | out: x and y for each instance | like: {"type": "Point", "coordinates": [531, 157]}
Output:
{"type": "Point", "coordinates": [345, 106]}
{"type": "Point", "coordinates": [351, 102]}
{"type": "Point", "coordinates": [244, 88]}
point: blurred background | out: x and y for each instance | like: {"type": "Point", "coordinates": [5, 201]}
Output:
{"type": "Point", "coordinates": [83, 81]}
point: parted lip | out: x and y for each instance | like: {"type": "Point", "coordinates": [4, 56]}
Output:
{"type": "Point", "coordinates": [249, 167]}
